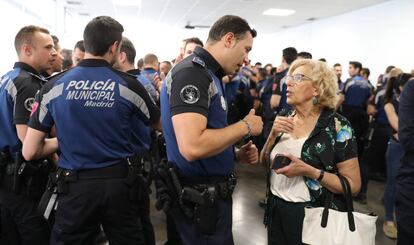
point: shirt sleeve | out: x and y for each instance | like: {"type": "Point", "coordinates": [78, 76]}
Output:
{"type": "Point", "coordinates": [345, 142]}
{"type": "Point", "coordinates": [25, 98]}
{"type": "Point", "coordinates": [41, 118]}
{"type": "Point", "coordinates": [189, 91]}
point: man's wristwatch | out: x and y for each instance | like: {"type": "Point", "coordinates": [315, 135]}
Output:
{"type": "Point", "coordinates": [249, 127]}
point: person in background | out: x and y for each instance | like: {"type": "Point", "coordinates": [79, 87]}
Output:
{"type": "Point", "coordinates": [395, 152]}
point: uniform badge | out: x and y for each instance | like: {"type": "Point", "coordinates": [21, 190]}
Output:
{"type": "Point", "coordinates": [28, 103]}
{"type": "Point", "coordinates": [223, 103]}
{"type": "Point", "coordinates": [190, 94]}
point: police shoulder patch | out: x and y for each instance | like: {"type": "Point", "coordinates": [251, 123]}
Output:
{"type": "Point", "coordinates": [28, 103]}
{"type": "Point", "coordinates": [199, 61]}
{"type": "Point", "coordinates": [190, 94]}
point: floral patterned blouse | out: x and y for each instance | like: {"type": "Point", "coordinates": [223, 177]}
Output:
{"type": "Point", "coordinates": [332, 141]}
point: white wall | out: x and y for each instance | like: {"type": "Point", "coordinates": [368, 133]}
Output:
{"type": "Point", "coordinates": [377, 36]}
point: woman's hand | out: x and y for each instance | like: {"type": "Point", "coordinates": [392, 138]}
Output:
{"type": "Point", "coordinates": [298, 168]}
{"type": "Point", "coordinates": [282, 125]}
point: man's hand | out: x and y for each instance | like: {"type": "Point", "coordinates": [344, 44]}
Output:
{"type": "Point", "coordinates": [248, 153]}
{"type": "Point", "coordinates": [255, 122]}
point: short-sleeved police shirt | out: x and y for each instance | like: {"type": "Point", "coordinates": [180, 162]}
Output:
{"type": "Point", "coordinates": [194, 85]}
{"type": "Point", "coordinates": [357, 92]}
{"type": "Point", "coordinates": [18, 88]}
{"type": "Point", "coordinates": [91, 106]}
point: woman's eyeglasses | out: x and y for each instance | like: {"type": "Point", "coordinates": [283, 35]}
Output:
{"type": "Point", "coordinates": [297, 78]}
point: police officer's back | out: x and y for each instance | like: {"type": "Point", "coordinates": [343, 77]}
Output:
{"type": "Point", "coordinates": [19, 193]}
{"type": "Point", "coordinates": [91, 106]}
{"type": "Point", "coordinates": [199, 141]}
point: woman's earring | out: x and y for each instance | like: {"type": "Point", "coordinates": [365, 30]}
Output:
{"type": "Point", "coordinates": [314, 100]}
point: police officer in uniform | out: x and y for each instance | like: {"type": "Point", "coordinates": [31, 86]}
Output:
{"type": "Point", "coordinates": [404, 199]}
{"type": "Point", "coordinates": [19, 193]}
{"type": "Point", "coordinates": [91, 106]}
{"type": "Point", "coordinates": [199, 141]}
{"type": "Point", "coordinates": [141, 138]}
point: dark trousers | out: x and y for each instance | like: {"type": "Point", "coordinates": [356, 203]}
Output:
{"type": "Point", "coordinates": [404, 203]}
{"type": "Point", "coordinates": [374, 155]}
{"type": "Point", "coordinates": [20, 221]}
{"type": "Point", "coordinates": [144, 211]}
{"type": "Point", "coordinates": [190, 235]}
{"type": "Point", "coordinates": [394, 154]}
{"type": "Point", "coordinates": [91, 202]}
{"type": "Point", "coordinates": [285, 221]}
{"type": "Point", "coordinates": [173, 237]}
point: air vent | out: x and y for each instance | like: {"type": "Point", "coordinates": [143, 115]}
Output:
{"type": "Point", "coordinates": [74, 2]}
{"type": "Point", "coordinates": [84, 14]}
{"type": "Point", "coordinates": [311, 19]}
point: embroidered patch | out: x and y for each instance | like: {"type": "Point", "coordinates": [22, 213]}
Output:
{"type": "Point", "coordinates": [223, 103]}
{"type": "Point", "coordinates": [190, 94]}
{"type": "Point", "coordinates": [28, 103]}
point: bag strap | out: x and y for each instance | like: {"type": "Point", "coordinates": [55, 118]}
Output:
{"type": "Point", "coordinates": [346, 188]}
{"type": "Point", "coordinates": [349, 205]}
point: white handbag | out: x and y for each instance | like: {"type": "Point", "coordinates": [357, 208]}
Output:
{"type": "Point", "coordinates": [325, 226]}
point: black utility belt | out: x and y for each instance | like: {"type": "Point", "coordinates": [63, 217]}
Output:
{"type": "Point", "coordinates": [211, 188]}
{"type": "Point", "coordinates": [119, 170]}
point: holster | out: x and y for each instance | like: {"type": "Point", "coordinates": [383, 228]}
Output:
{"type": "Point", "coordinates": [48, 202]}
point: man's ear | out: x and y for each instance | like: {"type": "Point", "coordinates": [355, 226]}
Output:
{"type": "Point", "coordinates": [229, 39]}
{"type": "Point", "coordinates": [114, 47]}
{"type": "Point", "coordinates": [26, 49]}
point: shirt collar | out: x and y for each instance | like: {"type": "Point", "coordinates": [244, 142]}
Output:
{"type": "Point", "coordinates": [135, 72]}
{"type": "Point", "coordinates": [26, 67]}
{"type": "Point", "coordinates": [93, 62]}
{"type": "Point", "coordinates": [211, 62]}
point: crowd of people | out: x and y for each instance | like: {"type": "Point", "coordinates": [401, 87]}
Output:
{"type": "Point", "coordinates": [85, 132]}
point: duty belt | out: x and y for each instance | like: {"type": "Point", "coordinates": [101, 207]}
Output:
{"type": "Point", "coordinates": [216, 186]}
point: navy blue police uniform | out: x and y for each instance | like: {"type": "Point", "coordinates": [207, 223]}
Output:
{"type": "Point", "coordinates": [17, 94]}
{"type": "Point", "coordinates": [357, 92]}
{"type": "Point", "coordinates": [194, 86]}
{"type": "Point", "coordinates": [142, 141]}
{"type": "Point", "coordinates": [91, 107]}
{"type": "Point", "coordinates": [405, 177]}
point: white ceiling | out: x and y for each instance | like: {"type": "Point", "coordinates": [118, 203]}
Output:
{"type": "Point", "coordinates": [178, 13]}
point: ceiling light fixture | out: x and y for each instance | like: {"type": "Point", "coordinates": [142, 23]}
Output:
{"type": "Point", "coordinates": [279, 12]}
{"type": "Point", "coordinates": [127, 2]}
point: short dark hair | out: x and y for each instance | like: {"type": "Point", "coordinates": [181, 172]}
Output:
{"type": "Point", "coordinates": [337, 64]}
{"type": "Point", "coordinates": [258, 64]}
{"type": "Point", "coordinates": [140, 63]}
{"type": "Point", "coordinates": [393, 86]}
{"type": "Point", "coordinates": [55, 40]}
{"type": "Point", "coordinates": [80, 45]}
{"type": "Point", "coordinates": [305, 55]}
{"type": "Point", "coordinates": [150, 59]}
{"type": "Point", "coordinates": [67, 60]}
{"type": "Point", "coordinates": [100, 33]}
{"type": "Point", "coordinates": [195, 40]}
{"type": "Point", "coordinates": [356, 64]}
{"type": "Point", "coordinates": [389, 68]}
{"type": "Point", "coordinates": [230, 23]}
{"type": "Point", "coordinates": [262, 72]}
{"type": "Point", "coordinates": [129, 49]}
{"type": "Point", "coordinates": [290, 54]}
{"type": "Point", "coordinates": [25, 36]}
{"type": "Point", "coordinates": [322, 59]}
{"type": "Point", "coordinates": [366, 71]}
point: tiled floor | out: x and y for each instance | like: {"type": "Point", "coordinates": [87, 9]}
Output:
{"type": "Point", "coordinates": [248, 228]}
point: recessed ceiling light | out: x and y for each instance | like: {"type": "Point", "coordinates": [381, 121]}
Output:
{"type": "Point", "coordinates": [127, 2]}
{"type": "Point", "coordinates": [279, 12]}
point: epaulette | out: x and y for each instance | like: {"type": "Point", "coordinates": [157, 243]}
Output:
{"type": "Point", "coordinates": [199, 61]}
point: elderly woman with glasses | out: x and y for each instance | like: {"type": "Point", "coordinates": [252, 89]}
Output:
{"type": "Point", "coordinates": [309, 145]}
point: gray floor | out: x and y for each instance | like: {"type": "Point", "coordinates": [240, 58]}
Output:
{"type": "Point", "coordinates": [248, 228]}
